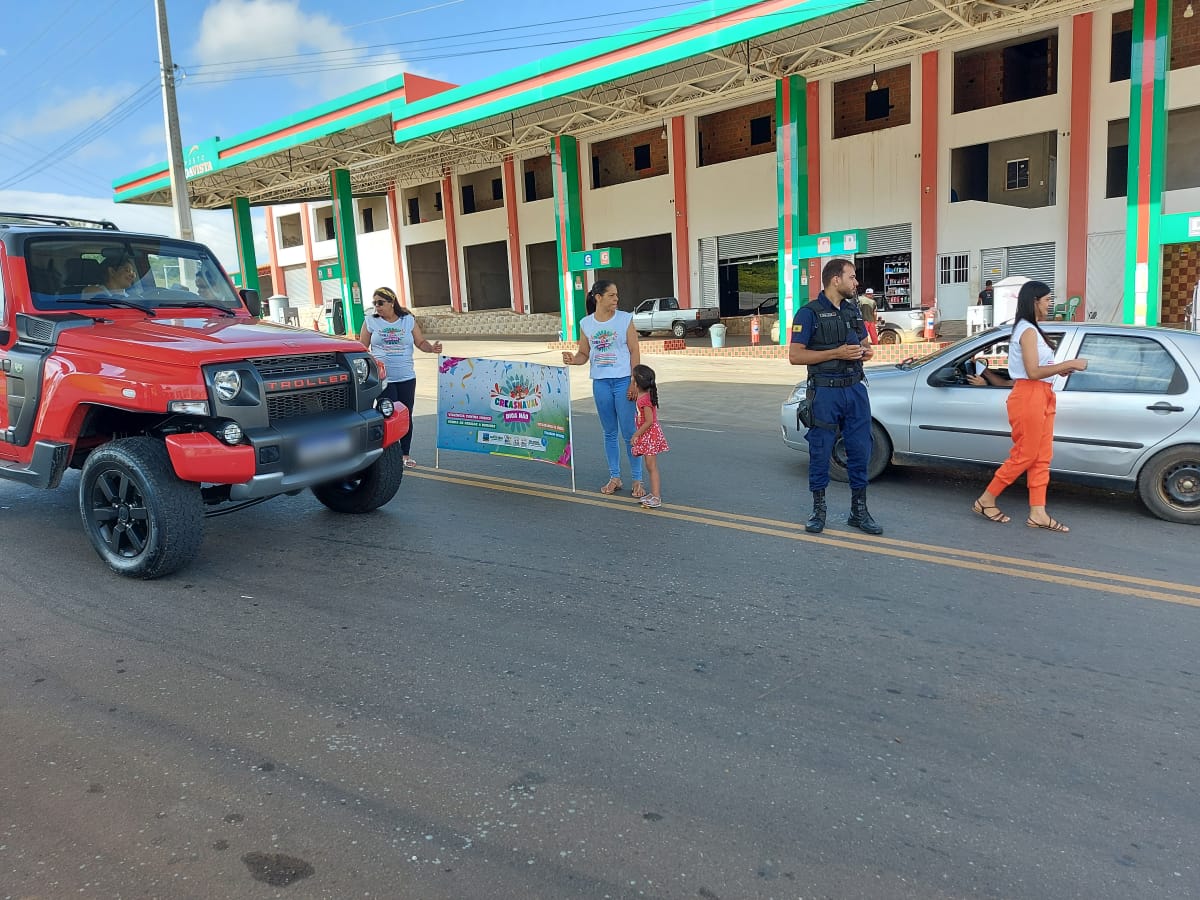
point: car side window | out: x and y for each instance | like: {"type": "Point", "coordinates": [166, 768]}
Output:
{"type": "Point", "coordinates": [668, 303]}
{"type": "Point", "coordinates": [1126, 364]}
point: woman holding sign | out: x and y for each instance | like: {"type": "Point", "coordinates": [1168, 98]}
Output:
{"type": "Point", "coordinates": [608, 340]}
{"type": "Point", "coordinates": [390, 334]}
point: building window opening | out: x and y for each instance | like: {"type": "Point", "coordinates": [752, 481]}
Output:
{"type": "Point", "coordinates": [468, 199]}
{"type": "Point", "coordinates": [760, 130]}
{"type": "Point", "coordinates": [1016, 175]}
{"type": "Point", "coordinates": [330, 234]}
{"type": "Point", "coordinates": [497, 189]}
{"type": "Point", "coordinates": [1120, 60]}
{"type": "Point", "coordinates": [641, 157]}
{"type": "Point", "coordinates": [414, 211]}
{"type": "Point", "coordinates": [530, 187]}
{"type": "Point", "coordinates": [878, 104]}
{"type": "Point", "coordinates": [1006, 73]}
{"type": "Point", "coordinates": [368, 220]}
{"type": "Point", "coordinates": [437, 201]}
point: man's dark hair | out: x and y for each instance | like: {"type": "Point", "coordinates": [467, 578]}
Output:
{"type": "Point", "coordinates": [988, 283]}
{"type": "Point", "coordinates": [833, 269]}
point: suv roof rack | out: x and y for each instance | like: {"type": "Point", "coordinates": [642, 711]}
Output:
{"type": "Point", "coordinates": [20, 218]}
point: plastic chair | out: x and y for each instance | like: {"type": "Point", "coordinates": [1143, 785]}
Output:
{"type": "Point", "coordinates": [1072, 305]}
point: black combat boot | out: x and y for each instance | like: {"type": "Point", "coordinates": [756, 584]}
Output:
{"type": "Point", "coordinates": [816, 522]}
{"type": "Point", "coordinates": [860, 516]}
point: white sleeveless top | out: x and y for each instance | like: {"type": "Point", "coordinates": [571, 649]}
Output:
{"type": "Point", "coordinates": [393, 343]}
{"type": "Point", "coordinates": [608, 350]}
{"type": "Point", "coordinates": [1016, 361]}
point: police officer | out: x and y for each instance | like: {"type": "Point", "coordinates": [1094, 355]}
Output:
{"type": "Point", "coordinates": [828, 336]}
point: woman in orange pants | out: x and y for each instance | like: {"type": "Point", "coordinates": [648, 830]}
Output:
{"type": "Point", "coordinates": [1031, 407]}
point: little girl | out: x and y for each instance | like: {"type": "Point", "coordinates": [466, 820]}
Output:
{"type": "Point", "coordinates": [648, 440]}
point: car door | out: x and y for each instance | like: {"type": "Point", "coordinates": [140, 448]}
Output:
{"type": "Point", "coordinates": [954, 420]}
{"type": "Point", "coordinates": [665, 317]}
{"type": "Point", "coordinates": [1137, 391]}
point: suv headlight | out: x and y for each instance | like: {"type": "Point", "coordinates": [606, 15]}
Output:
{"type": "Point", "coordinates": [227, 383]}
{"type": "Point", "coordinates": [189, 407]}
{"type": "Point", "coordinates": [362, 369]}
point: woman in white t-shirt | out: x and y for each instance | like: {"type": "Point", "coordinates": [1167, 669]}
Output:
{"type": "Point", "coordinates": [608, 340]}
{"type": "Point", "coordinates": [391, 334]}
{"type": "Point", "coordinates": [1031, 407]}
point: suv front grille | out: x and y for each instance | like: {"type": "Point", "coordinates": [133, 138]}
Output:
{"type": "Point", "coordinates": [269, 366]}
{"type": "Point", "coordinates": [296, 404]}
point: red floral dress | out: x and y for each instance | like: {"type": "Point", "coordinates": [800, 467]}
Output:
{"type": "Point", "coordinates": [653, 441]}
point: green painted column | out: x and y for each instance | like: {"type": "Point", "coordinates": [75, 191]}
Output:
{"type": "Point", "coordinates": [568, 230]}
{"type": "Point", "coordinates": [791, 182]}
{"type": "Point", "coordinates": [347, 244]}
{"type": "Point", "coordinates": [243, 232]}
{"type": "Point", "coordinates": [1147, 160]}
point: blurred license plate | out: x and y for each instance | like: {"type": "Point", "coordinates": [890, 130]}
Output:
{"type": "Point", "coordinates": [315, 449]}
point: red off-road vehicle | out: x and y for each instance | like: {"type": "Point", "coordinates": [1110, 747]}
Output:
{"type": "Point", "coordinates": [131, 357]}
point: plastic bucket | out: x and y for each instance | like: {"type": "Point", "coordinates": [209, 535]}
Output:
{"type": "Point", "coordinates": [716, 334]}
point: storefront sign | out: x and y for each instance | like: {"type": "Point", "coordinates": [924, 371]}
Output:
{"type": "Point", "coordinates": [600, 258]}
{"type": "Point", "coordinates": [329, 273]}
{"type": "Point", "coordinates": [832, 243]}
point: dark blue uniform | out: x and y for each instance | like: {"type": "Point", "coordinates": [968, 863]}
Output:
{"type": "Point", "coordinates": [846, 407]}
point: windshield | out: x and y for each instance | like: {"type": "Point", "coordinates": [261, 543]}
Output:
{"type": "Point", "coordinates": [86, 271]}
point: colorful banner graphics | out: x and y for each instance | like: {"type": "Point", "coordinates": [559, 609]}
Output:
{"type": "Point", "coordinates": [519, 409]}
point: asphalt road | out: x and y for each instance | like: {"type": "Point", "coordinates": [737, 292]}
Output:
{"type": "Point", "coordinates": [495, 688]}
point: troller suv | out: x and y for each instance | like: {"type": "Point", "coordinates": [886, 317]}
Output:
{"type": "Point", "coordinates": [131, 357]}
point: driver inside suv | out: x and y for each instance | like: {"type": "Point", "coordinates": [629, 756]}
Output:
{"type": "Point", "coordinates": [117, 273]}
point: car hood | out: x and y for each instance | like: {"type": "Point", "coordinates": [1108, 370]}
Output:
{"type": "Point", "coordinates": [205, 339]}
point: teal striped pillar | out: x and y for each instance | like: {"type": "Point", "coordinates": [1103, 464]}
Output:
{"type": "Point", "coordinates": [243, 232]}
{"type": "Point", "coordinates": [347, 244]}
{"type": "Point", "coordinates": [568, 230]}
{"type": "Point", "coordinates": [791, 168]}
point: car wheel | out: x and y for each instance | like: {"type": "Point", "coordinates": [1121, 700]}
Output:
{"type": "Point", "coordinates": [143, 521]}
{"type": "Point", "coordinates": [888, 337]}
{"type": "Point", "coordinates": [1169, 484]}
{"type": "Point", "coordinates": [881, 456]}
{"type": "Point", "coordinates": [362, 492]}
{"type": "Point", "coordinates": [679, 329]}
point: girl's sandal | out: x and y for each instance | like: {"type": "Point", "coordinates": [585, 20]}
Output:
{"type": "Point", "coordinates": [639, 490]}
{"type": "Point", "coordinates": [1052, 525]}
{"type": "Point", "coordinates": [614, 485]}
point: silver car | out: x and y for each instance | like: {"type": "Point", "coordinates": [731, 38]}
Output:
{"type": "Point", "coordinates": [1127, 422]}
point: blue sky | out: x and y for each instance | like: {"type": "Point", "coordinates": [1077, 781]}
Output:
{"type": "Point", "coordinates": [83, 105]}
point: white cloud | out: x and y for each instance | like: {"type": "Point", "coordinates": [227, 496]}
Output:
{"type": "Point", "coordinates": [69, 111]}
{"type": "Point", "coordinates": [213, 228]}
{"type": "Point", "coordinates": [234, 31]}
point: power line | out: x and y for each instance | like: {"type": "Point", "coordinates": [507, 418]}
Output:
{"type": "Point", "coordinates": [115, 116]}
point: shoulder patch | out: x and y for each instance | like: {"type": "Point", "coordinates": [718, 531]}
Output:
{"type": "Point", "coordinates": [797, 329]}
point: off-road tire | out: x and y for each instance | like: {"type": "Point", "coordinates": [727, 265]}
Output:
{"type": "Point", "coordinates": [881, 456]}
{"type": "Point", "coordinates": [143, 521]}
{"type": "Point", "coordinates": [366, 490]}
{"type": "Point", "coordinates": [1169, 484]}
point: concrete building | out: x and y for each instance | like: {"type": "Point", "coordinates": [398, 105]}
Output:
{"type": "Point", "coordinates": [970, 141]}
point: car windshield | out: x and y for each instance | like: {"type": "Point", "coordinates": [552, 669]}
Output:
{"type": "Point", "coordinates": [106, 269]}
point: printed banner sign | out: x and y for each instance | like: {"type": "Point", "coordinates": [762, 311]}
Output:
{"type": "Point", "coordinates": [507, 408]}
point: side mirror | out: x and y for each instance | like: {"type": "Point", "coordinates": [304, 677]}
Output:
{"type": "Point", "coordinates": [250, 298]}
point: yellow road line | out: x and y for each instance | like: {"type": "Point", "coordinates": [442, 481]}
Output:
{"type": "Point", "coordinates": [1089, 579]}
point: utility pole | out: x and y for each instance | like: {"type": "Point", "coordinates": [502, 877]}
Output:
{"type": "Point", "coordinates": [179, 194]}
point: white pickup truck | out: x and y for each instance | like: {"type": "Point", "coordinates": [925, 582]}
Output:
{"type": "Point", "coordinates": [664, 314]}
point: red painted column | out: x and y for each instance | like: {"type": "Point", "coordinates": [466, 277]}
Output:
{"type": "Point", "coordinates": [813, 110]}
{"type": "Point", "coordinates": [516, 278]}
{"type": "Point", "coordinates": [456, 298]}
{"type": "Point", "coordinates": [278, 282]}
{"type": "Point", "coordinates": [929, 179]}
{"type": "Point", "coordinates": [683, 239]}
{"type": "Point", "coordinates": [1077, 186]}
{"type": "Point", "coordinates": [310, 263]}
{"type": "Point", "coordinates": [393, 210]}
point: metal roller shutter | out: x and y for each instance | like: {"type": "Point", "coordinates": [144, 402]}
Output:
{"type": "Point", "coordinates": [889, 239]}
{"type": "Point", "coordinates": [709, 293]}
{"type": "Point", "coordinates": [1034, 261]}
{"type": "Point", "coordinates": [748, 246]}
{"type": "Point", "coordinates": [299, 291]}
{"type": "Point", "coordinates": [1106, 276]}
